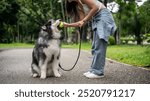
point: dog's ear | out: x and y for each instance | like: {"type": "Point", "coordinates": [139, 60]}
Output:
{"type": "Point", "coordinates": [49, 23]}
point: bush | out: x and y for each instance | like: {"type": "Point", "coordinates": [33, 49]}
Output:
{"type": "Point", "coordinates": [111, 40]}
{"type": "Point", "coordinates": [125, 40]}
{"type": "Point", "coordinates": [147, 37]}
{"type": "Point", "coordinates": [148, 40]}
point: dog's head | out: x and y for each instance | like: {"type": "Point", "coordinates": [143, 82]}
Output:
{"type": "Point", "coordinates": [52, 28]}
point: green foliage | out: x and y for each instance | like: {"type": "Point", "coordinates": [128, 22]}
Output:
{"type": "Point", "coordinates": [125, 16]}
{"type": "Point", "coordinates": [20, 20]}
{"type": "Point", "coordinates": [39, 11]}
{"type": "Point", "coordinates": [125, 40]}
{"type": "Point", "coordinates": [145, 17]}
{"type": "Point", "coordinates": [148, 40]}
{"type": "Point", "coordinates": [133, 19]}
{"type": "Point", "coordinates": [8, 11]}
{"type": "Point", "coordinates": [146, 37]}
{"type": "Point", "coordinates": [111, 40]}
{"type": "Point", "coordinates": [8, 19]}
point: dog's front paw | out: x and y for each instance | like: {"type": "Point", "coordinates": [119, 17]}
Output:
{"type": "Point", "coordinates": [43, 77]}
{"type": "Point", "coordinates": [35, 75]}
{"type": "Point", "coordinates": [57, 75]}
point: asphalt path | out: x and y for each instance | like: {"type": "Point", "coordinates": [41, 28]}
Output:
{"type": "Point", "coordinates": [15, 67]}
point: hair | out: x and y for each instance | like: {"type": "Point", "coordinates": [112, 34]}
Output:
{"type": "Point", "coordinates": [72, 9]}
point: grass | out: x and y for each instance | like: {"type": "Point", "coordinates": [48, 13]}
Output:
{"type": "Point", "coordinates": [84, 46]}
{"type": "Point", "coordinates": [130, 54]}
{"type": "Point", "coordinates": [16, 45]}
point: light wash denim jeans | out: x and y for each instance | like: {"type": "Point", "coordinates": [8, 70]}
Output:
{"type": "Point", "coordinates": [99, 47]}
{"type": "Point", "coordinates": [103, 26]}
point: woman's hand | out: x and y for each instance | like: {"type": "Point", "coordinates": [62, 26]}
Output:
{"type": "Point", "coordinates": [65, 24]}
{"type": "Point", "coordinates": [76, 24]}
{"type": "Point", "coordinates": [81, 23]}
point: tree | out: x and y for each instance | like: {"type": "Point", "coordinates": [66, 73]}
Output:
{"type": "Point", "coordinates": [8, 18]}
{"type": "Point", "coordinates": [119, 15]}
{"type": "Point", "coordinates": [144, 15]}
{"type": "Point", "coordinates": [125, 17]}
{"type": "Point", "coordinates": [35, 14]}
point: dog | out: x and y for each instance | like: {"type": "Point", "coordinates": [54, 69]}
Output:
{"type": "Point", "coordinates": [46, 53]}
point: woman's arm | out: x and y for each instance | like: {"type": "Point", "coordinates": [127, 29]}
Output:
{"type": "Point", "coordinates": [76, 24]}
{"type": "Point", "coordinates": [93, 9]}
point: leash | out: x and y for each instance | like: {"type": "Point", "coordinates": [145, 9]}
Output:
{"type": "Point", "coordinates": [79, 51]}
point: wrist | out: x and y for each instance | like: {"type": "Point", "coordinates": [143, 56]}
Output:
{"type": "Point", "coordinates": [84, 21]}
{"type": "Point", "coordinates": [65, 24]}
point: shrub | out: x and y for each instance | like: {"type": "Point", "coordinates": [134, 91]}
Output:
{"type": "Point", "coordinates": [125, 40]}
{"type": "Point", "coordinates": [111, 40]}
{"type": "Point", "coordinates": [148, 40]}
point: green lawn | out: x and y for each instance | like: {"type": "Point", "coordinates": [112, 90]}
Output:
{"type": "Point", "coordinates": [130, 54]}
{"type": "Point", "coordinates": [84, 46]}
{"type": "Point", "coordinates": [16, 45]}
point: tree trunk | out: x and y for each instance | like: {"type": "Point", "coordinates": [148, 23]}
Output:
{"type": "Point", "coordinates": [63, 15]}
{"type": "Point", "coordinates": [137, 30]}
{"type": "Point", "coordinates": [117, 36]}
{"type": "Point", "coordinates": [51, 5]}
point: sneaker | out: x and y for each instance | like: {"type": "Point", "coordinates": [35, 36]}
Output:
{"type": "Point", "coordinates": [94, 76]}
{"type": "Point", "coordinates": [86, 73]}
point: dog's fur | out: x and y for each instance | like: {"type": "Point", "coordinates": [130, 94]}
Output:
{"type": "Point", "coordinates": [46, 53]}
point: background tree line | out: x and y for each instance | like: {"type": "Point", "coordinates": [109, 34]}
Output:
{"type": "Point", "coordinates": [20, 20]}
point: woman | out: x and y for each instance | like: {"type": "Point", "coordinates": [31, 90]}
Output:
{"type": "Point", "coordinates": [103, 25]}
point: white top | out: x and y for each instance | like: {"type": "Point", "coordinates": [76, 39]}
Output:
{"type": "Point", "coordinates": [86, 8]}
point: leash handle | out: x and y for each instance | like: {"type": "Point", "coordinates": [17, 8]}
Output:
{"type": "Point", "coordinates": [80, 31]}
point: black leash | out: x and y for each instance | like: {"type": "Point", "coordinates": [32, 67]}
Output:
{"type": "Point", "coordinates": [80, 31]}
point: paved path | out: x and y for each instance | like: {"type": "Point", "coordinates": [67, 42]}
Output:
{"type": "Point", "coordinates": [15, 69]}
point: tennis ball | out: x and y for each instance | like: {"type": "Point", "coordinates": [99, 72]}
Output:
{"type": "Point", "coordinates": [61, 25]}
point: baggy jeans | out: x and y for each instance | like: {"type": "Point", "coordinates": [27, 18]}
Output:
{"type": "Point", "coordinates": [99, 47]}
{"type": "Point", "coordinates": [103, 26]}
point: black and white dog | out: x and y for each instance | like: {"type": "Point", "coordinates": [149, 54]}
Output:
{"type": "Point", "coordinates": [46, 53]}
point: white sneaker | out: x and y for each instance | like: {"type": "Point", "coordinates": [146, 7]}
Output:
{"type": "Point", "coordinates": [86, 73]}
{"type": "Point", "coordinates": [94, 76]}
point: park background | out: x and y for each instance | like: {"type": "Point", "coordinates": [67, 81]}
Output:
{"type": "Point", "coordinates": [21, 20]}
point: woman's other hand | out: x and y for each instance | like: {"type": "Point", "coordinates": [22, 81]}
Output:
{"type": "Point", "coordinates": [81, 23]}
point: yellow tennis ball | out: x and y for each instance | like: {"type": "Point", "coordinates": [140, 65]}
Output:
{"type": "Point", "coordinates": [61, 25]}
